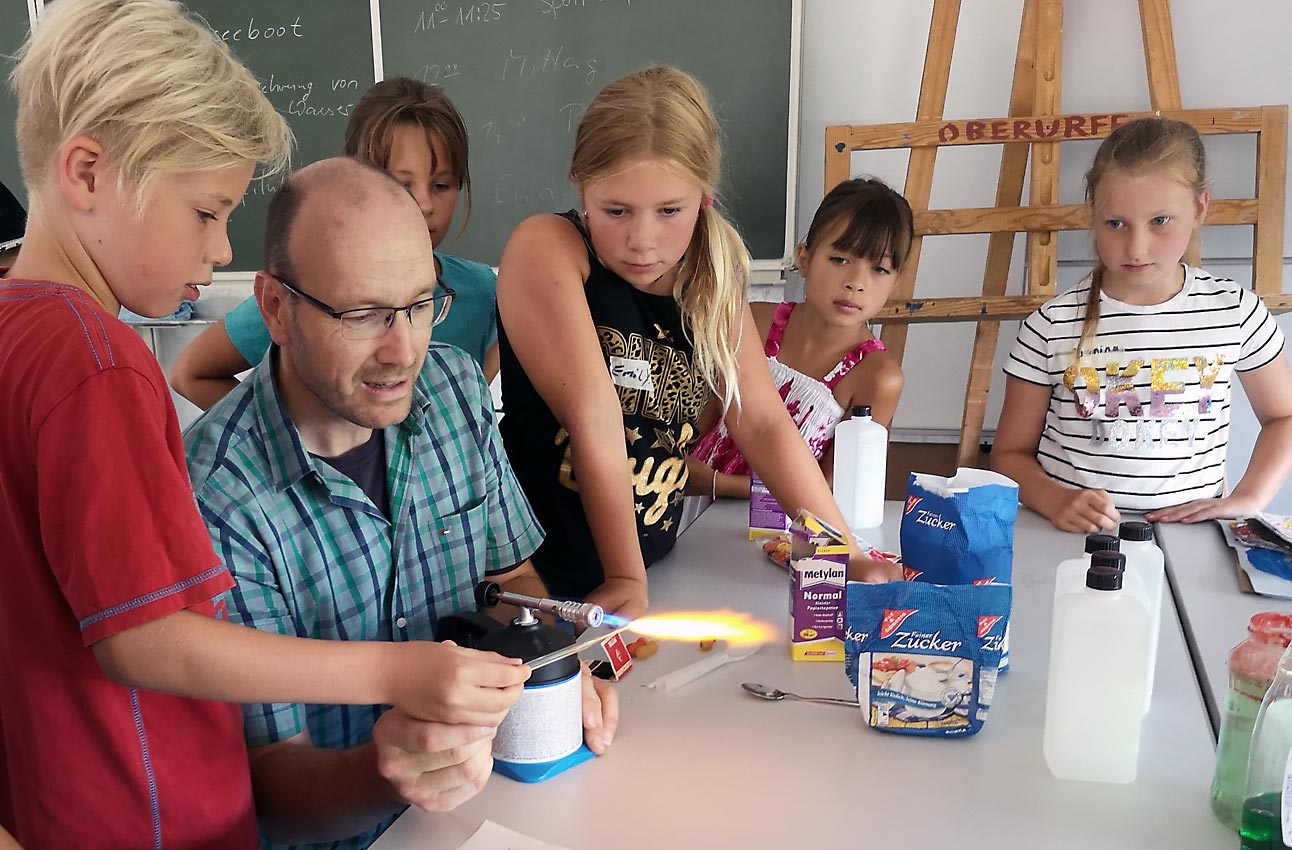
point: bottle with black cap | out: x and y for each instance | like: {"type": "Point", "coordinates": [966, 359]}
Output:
{"type": "Point", "coordinates": [1072, 572]}
{"type": "Point", "coordinates": [1098, 663]}
{"type": "Point", "coordinates": [1144, 560]}
{"type": "Point", "coordinates": [860, 467]}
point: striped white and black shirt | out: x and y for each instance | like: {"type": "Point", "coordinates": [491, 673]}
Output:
{"type": "Point", "coordinates": [1145, 416]}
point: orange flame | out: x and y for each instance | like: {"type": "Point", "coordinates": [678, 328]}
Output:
{"type": "Point", "coordinates": [732, 626]}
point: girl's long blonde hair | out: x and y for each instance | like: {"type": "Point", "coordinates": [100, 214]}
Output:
{"type": "Point", "coordinates": [663, 113]}
{"type": "Point", "coordinates": [1157, 145]}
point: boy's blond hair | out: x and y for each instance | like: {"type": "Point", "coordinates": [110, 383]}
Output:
{"type": "Point", "coordinates": [160, 91]}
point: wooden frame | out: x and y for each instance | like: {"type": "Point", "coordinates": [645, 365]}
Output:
{"type": "Point", "coordinates": [1034, 125]}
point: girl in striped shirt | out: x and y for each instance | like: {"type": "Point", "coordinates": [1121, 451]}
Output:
{"type": "Point", "coordinates": [1117, 394]}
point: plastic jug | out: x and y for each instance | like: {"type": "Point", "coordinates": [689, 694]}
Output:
{"type": "Point", "coordinates": [860, 469]}
{"type": "Point", "coordinates": [1145, 560]}
{"type": "Point", "coordinates": [1071, 573]}
{"type": "Point", "coordinates": [1098, 663]}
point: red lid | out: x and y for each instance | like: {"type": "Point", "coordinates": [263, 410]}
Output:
{"type": "Point", "coordinates": [1271, 627]}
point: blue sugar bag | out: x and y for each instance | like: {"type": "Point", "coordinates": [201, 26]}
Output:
{"type": "Point", "coordinates": [959, 530]}
{"type": "Point", "coordinates": [924, 657]}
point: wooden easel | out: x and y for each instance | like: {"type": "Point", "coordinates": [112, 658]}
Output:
{"type": "Point", "coordinates": [1034, 123]}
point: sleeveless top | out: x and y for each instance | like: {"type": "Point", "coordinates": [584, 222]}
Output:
{"type": "Point", "coordinates": [647, 349]}
{"type": "Point", "coordinates": [810, 401]}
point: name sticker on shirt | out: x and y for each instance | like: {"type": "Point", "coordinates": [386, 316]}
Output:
{"type": "Point", "coordinates": [631, 374]}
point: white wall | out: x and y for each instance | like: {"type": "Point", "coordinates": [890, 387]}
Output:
{"type": "Point", "coordinates": [862, 64]}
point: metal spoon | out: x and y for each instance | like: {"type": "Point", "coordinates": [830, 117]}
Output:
{"type": "Point", "coordinates": [764, 692]}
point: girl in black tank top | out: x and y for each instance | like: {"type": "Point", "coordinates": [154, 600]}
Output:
{"type": "Point", "coordinates": [647, 350]}
{"type": "Point", "coordinates": [613, 326]}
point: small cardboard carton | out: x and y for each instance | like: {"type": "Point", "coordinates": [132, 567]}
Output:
{"type": "Point", "coordinates": [766, 518]}
{"type": "Point", "coordinates": [818, 582]}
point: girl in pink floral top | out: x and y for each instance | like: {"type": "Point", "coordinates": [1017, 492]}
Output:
{"type": "Point", "coordinates": [822, 354]}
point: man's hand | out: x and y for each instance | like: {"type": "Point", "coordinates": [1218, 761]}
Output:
{"type": "Point", "coordinates": [600, 712]}
{"type": "Point", "coordinates": [623, 596]}
{"type": "Point", "coordinates": [434, 766]}
{"type": "Point", "coordinates": [448, 683]}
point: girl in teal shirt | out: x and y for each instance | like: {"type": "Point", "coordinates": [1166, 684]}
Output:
{"type": "Point", "coordinates": [414, 132]}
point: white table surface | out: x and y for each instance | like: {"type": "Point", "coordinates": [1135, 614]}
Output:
{"type": "Point", "coordinates": [709, 766]}
{"type": "Point", "coordinates": [1202, 570]}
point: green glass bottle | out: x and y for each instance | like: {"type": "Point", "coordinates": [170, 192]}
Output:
{"type": "Point", "coordinates": [1252, 667]}
{"type": "Point", "coordinates": [1267, 805]}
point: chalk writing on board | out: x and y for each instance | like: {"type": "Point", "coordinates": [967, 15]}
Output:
{"type": "Point", "coordinates": [275, 85]}
{"type": "Point", "coordinates": [551, 7]}
{"type": "Point", "coordinates": [529, 192]}
{"type": "Point", "coordinates": [298, 94]}
{"type": "Point", "coordinates": [462, 14]}
{"type": "Point", "coordinates": [571, 113]}
{"type": "Point", "coordinates": [263, 186]}
{"type": "Point", "coordinates": [518, 65]}
{"type": "Point", "coordinates": [435, 72]}
{"type": "Point", "coordinates": [495, 131]}
{"type": "Point", "coordinates": [259, 32]}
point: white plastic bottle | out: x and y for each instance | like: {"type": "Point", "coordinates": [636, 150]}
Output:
{"type": "Point", "coordinates": [860, 467]}
{"type": "Point", "coordinates": [1098, 664]}
{"type": "Point", "coordinates": [1071, 574]}
{"type": "Point", "coordinates": [1145, 560]}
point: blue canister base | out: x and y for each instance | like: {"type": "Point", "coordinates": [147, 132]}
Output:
{"type": "Point", "coordinates": [538, 771]}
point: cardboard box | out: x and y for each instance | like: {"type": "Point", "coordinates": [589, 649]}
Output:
{"type": "Point", "coordinates": [766, 519]}
{"type": "Point", "coordinates": [818, 581]}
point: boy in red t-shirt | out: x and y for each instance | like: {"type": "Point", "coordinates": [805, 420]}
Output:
{"type": "Point", "coordinates": [138, 133]}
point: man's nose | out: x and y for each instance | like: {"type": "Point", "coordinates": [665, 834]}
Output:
{"type": "Point", "coordinates": [398, 345]}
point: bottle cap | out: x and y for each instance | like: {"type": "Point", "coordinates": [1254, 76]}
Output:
{"type": "Point", "coordinates": [1104, 578]}
{"type": "Point", "coordinates": [1102, 543]}
{"type": "Point", "coordinates": [861, 410]}
{"type": "Point", "coordinates": [1108, 558]}
{"type": "Point", "coordinates": [1137, 531]}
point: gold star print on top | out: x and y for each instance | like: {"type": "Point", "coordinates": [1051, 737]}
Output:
{"type": "Point", "coordinates": [661, 398]}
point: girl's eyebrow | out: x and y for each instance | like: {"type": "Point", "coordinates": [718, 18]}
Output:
{"type": "Point", "coordinates": [669, 203]}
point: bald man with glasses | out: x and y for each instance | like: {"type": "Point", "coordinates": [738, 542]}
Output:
{"type": "Point", "coordinates": [356, 487]}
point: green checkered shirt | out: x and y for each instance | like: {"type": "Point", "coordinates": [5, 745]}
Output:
{"type": "Point", "coordinates": [312, 555]}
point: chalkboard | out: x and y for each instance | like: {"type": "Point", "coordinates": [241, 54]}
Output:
{"type": "Point", "coordinates": [313, 61]}
{"type": "Point", "coordinates": [521, 72]}
{"type": "Point", "coordinates": [14, 15]}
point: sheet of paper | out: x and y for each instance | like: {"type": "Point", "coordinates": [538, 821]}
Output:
{"type": "Point", "coordinates": [495, 836]}
{"type": "Point", "coordinates": [1262, 582]}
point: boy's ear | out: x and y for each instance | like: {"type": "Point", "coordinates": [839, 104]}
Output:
{"type": "Point", "coordinates": [269, 297]}
{"type": "Point", "coordinates": [82, 164]}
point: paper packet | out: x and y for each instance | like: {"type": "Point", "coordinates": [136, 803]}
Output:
{"type": "Point", "coordinates": [924, 657]}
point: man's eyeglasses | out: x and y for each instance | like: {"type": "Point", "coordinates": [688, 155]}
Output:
{"type": "Point", "coordinates": [372, 322]}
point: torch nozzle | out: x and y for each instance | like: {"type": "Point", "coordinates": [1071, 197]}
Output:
{"type": "Point", "coordinates": [585, 614]}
